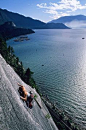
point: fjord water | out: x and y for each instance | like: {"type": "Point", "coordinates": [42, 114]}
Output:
{"type": "Point", "coordinates": [58, 60]}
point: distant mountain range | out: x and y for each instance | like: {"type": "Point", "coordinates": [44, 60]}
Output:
{"type": "Point", "coordinates": [27, 22]}
{"type": "Point", "coordinates": [66, 22]}
{"type": "Point", "coordinates": [66, 19]}
{"type": "Point", "coordinates": [72, 21]}
{"type": "Point", "coordinates": [53, 26]}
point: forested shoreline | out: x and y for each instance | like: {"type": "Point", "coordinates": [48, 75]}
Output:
{"type": "Point", "coordinates": [7, 31]}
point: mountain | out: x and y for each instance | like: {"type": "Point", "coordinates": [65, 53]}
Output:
{"type": "Point", "coordinates": [26, 22]}
{"type": "Point", "coordinates": [14, 114]}
{"type": "Point", "coordinates": [9, 30]}
{"type": "Point", "coordinates": [19, 20]}
{"type": "Point", "coordinates": [72, 21]}
{"type": "Point", "coordinates": [66, 19]}
{"type": "Point", "coordinates": [54, 26]}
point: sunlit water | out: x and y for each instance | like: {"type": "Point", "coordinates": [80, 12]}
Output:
{"type": "Point", "coordinates": [58, 60]}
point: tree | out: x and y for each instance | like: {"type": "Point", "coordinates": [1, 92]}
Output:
{"type": "Point", "coordinates": [17, 60]}
{"type": "Point", "coordinates": [3, 49]}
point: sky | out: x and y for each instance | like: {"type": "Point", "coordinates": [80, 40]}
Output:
{"type": "Point", "coordinates": [45, 10]}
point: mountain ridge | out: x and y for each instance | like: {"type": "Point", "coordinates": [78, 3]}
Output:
{"type": "Point", "coordinates": [76, 21]}
{"type": "Point", "coordinates": [69, 18]}
{"type": "Point", "coordinates": [18, 19]}
{"type": "Point", "coordinates": [24, 22]}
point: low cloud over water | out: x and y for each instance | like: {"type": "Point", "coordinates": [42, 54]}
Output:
{"type": "Point", "coordinates": [76, 24]}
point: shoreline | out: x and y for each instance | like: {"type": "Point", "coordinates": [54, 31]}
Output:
{"type": "Point", "coordinates": [60, 117]}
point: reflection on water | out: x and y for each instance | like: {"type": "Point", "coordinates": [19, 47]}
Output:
{"type": "Point", "coordinates": [58, 60]}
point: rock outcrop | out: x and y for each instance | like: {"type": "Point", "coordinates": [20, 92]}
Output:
{"type": "Point", "coordinates": [9, 30]}
{"type": "Point", "coordinates": [14, 114]}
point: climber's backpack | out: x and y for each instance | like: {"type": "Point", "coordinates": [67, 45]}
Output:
{"type": "Point", "coordinates": [30, 99]}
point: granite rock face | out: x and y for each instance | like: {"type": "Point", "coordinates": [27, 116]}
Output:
{"type": "Point", "coordinates": [14, 114]}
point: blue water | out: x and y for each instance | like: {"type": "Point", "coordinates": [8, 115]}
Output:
{"type": "Point", "coordinates": [58, 60]}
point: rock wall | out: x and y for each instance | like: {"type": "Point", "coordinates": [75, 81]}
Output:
{"type": "Point", "coordinates": [14, 115]}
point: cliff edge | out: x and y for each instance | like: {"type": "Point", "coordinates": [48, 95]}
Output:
{"type": "Point", "coordinates": [14, 114]}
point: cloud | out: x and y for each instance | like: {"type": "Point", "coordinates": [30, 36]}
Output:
{"type": "Point", "coordinates": [65, 6]}
{"type": "Point", "coordinates": [76, 24]}
{"type": "Point", "coordinates": [42, 5]}
{"type": "Point", "coordinates": [55, 14]}
{"type": "Point", "coordinates": [73, 5]}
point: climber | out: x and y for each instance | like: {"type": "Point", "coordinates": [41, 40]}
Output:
{"type": "Point", "coordinates": [25, 96]}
